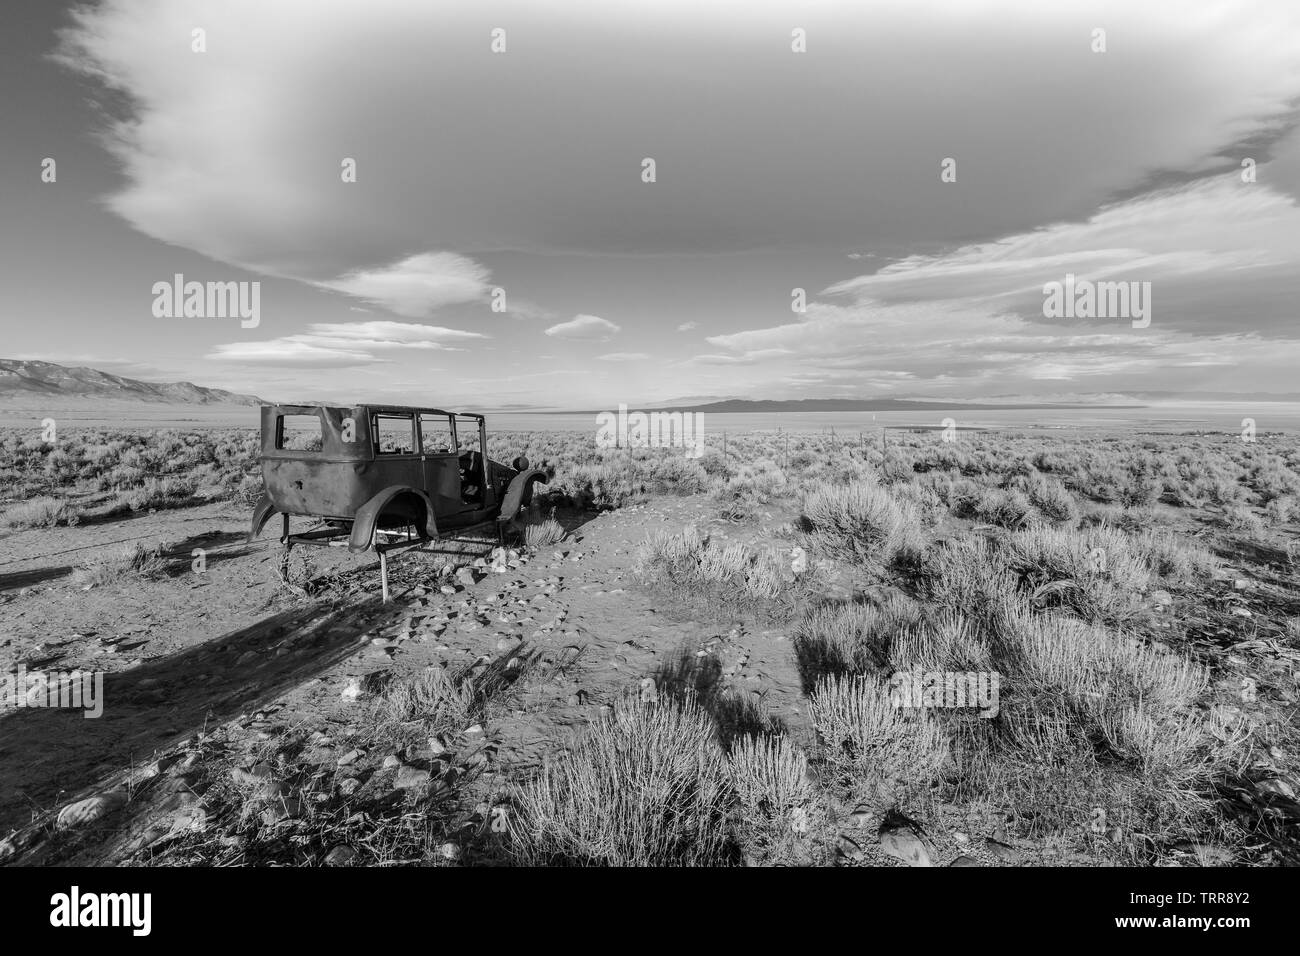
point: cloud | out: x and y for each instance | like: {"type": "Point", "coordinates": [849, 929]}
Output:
{"type": "Point", "coordinates": [342, 345]}
{"type": "Point", "coordinates": [418, 285]}
{"type": "Point", "coordinates": [257, 181]}
{"type": "Point", "coordinates": [584, 327]}
{"type": "Point", "coordinates": [686, 327]}
{"type": "Point", "coordinates": [290, 352]}
{"type": "Point", "coordinates": [972, 318]}
{"type": "Point", "coordinates": [624, 357]}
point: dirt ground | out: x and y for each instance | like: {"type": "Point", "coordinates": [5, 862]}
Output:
{"type": "Point", "coordinates": [230, 673]}
{"type": "Point", "coordinates": [189, 652]}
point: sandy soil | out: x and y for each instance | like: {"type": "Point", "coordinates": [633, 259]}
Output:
{"type": "Point", "coordinates": [189, 652]}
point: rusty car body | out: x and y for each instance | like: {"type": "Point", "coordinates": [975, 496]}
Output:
{"type": "Point", "coordinates": [371, 469]}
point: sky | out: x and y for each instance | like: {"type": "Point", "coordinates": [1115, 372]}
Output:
{"type": "Point", "coordinates": [921, 170]}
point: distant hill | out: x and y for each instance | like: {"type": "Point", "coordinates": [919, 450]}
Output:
{"type": "Point", "coordinates": [739, 405]}
{"type": "Point", "coordinates": [44, 381]}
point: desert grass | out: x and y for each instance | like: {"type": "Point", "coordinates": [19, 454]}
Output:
{"type": "Point", "coordinates": [724, 576]}
{"type": "Point", "coordinates": [868, 740]}
{"type": "Point", "coordinates": [648, 785]}
{"type": "Point", "coordinates": [135, 560]}
{"type": "Point", "coordinates": [543, 534]}
{"type": "Point", "coordinates": [861, 522]}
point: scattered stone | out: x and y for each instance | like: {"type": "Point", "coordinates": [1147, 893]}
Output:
{"type": "Point", "coordinates": [351, 689]}
{"type": "Point", "coordinates": [409, 778]}
{"type": "Point", "coordinates": [964, 860]}
{"type": "Point", "coordinates": [904, 843]}
{"type": "Point", "coordinates": [340, 856]}
{"type": "Point", "coordinates": [862, 817]}
{"type": "Point", "coordinates": [798, 560]}
{"type": "Point", "coordinates": [1003, 851]}
{"type": "Point", "coordinates": [87, 811]}
{"type": "Point", "coordinates": [281, 810]}
{"type": "Point", "coordinates": [352, 756]}
{"type": "Point", "coordinates": [1277, 787]}
{"type": "Point", "coordinates": [392, 760]}
{"type": "Point", "coordinates": [649, 692]}
{"type": "Point", "coordinates": [1162, 598]}
{"type": "Point", "coordinates": [1241, 612]}
{"type": "Point", "coordinates": [849, 849]}
{"type": "Point", "coordinates": [449, 851]}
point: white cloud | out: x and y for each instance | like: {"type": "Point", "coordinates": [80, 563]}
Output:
{"type": "Point", "coordinates": [584, 327]}
{"type": "Point", "coordinates": [972, 317]}
{"type": "Point", "coordinates": [290, 352]}
{"type": "Point", "coordinates": [343, 345]}
{"type": "Point", "coordinates": [686, 327]}
{"type": "Point", "coordinates": [416, 286]}
{"type": "Point", "coordinates": [624, 357]}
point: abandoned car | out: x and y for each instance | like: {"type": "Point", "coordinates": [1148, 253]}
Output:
{"type": "Point", "coordinates": [380, 470]}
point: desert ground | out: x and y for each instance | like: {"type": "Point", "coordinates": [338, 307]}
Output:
{"type": "Point", "coordinates": [683, 661]}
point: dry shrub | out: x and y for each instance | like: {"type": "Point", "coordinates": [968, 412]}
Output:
{"type": "Point", "coordinates": [865, 736]}
{"type": "Point", "coordinates": [648, 785]}
{"type": "Point", "coordinates": [861, 521]}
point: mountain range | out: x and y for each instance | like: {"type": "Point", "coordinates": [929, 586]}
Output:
{"type": "Point", "coordinates": [21, 379]}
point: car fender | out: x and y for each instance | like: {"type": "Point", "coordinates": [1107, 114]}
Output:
{"type": "Point", "coordinates": [261, 515]}
{"type": "Point", "coordinates": [367, 518]}
{"type": "Point", "coordinates": [520, 492]}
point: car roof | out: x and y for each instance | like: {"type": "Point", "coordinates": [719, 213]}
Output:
{"type": "Point", "coordinates": [399, 409]}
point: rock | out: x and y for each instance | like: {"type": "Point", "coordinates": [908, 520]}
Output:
{"type": "Point", "coordinates": [252, 777]}
{"type": "Point", "coordinates": [436, 746]}
{"type": "Point", "coordinates": [465, 577]}
{"type": "Point", "coordinates": [1276, 786]}
{"type": "Point", "coordinates": [903, 843]}
{"type": "Point", "coordinates": [272, 790]}
{"type": "Point", "coordinates": [798, 560]}
{"type": "Point", "coordinates": [473, 729]}
{"type": "Point", "coordinates": [961, 838]}
{"type": "Point", "coordinates": [87, 811]}
{"type": "Point", "coordinates": [1003, 851]}
{"type": "Point", "coordinates": [340, 856]}
{"type": "Point", "coordinates": [1241, 612]}
{"type": "Point", "coordinates": [351, 757]}
{"type": "Point", "coordinates": [392, 760]}
{"type": "Point", "coordinates": [410, 778]}
{"type": "Point", "coordinates": [351, 689]}
{"type": "Point", "coordinates": [280, 810]}
{"type": "Point", "coordinates": [649, 692]}
{"type": "Point", "coordinates": [862, 817]}
{"type": "Point", "coordinates": [965, 861]}
{"type": "Point", "coordinates": [848, 848]}
{"type": "Point", "coordinates": [1240, 584]}
{"type": "Point", "coordinates": [348, 786]}
{"type": "Point", "coordinates": [449, 851]}
{"type": "Point", "coordinates": [1162, 598]}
